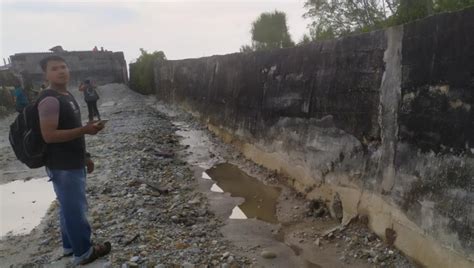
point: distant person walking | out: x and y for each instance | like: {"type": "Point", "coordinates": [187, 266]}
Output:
{"type": "Point", "coordinates": [90, 97]}
{"type": "Point", "coordinates": [20, 98]}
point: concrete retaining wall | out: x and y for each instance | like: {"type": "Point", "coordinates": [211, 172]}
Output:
{"type": "Point", "coordinates": [384, 120]}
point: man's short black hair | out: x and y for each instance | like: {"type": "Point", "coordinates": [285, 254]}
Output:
{"type": "Point", "coordinates": [44, 62]}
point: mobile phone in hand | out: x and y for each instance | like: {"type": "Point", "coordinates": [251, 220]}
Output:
{"type": "Point", "coordinates": [101, 122]}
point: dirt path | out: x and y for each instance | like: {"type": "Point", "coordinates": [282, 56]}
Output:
{"type": "Point", "coordinates": [153, 225]}
{"type": "Point", "coordinates": [158, 211]}
{"type": "Point", "coordinates": [304, 234]}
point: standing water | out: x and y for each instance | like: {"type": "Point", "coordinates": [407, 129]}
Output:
{"type": "Point", "coordinates": [260, 199]}
{"type": "Point", "coordinates": [23, 204]}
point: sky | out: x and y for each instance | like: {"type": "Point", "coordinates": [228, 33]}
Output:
{"type": "Point", "coordinates": [180, 28]}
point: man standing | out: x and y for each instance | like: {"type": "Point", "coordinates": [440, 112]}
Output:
{"type": "Point", "coordinates": [90, 97]}
{"type": "Point", "coordinates": [66, 160]}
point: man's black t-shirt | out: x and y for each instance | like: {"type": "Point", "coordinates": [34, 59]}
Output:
{"type": "Point", "coordinates": [70, 154]}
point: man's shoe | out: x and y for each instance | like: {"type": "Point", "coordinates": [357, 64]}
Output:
{"type": "Point", "coordinates": [97, 252]}
{"type": "Point", "coordinates": [64, 256]}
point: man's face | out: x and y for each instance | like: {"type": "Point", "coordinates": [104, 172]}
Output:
{"type": "Point", "coordinates": [57, 72]}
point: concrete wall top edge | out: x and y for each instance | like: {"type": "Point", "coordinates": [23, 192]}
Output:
{"type": "Point", "coordinates": [102, 67]}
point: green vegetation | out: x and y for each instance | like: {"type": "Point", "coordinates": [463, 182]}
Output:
{"type": "Point", "coordinates": [335, 18]}
{"type": "Point", "coordinates": [141, 72]}
{"type": "Point", "coordinates": [269, 31]}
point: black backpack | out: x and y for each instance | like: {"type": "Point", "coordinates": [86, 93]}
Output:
{"type": "Point", "coordinates": [90, 94]}
{"type": "Point", "coordinates": [25, 134]}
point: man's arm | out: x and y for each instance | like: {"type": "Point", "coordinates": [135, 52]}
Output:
{"type": "Point", "coordinates": [48, 110]}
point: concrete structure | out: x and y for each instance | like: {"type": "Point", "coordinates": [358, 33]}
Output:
{"type": "Point", "coordinates": [101, 67]}
{"type": "Point", "coordinates": [384, 120]}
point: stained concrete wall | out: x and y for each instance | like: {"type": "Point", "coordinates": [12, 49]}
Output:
{"type": "Point", "coordinates": [101, 67]}
{"type": "Point", "coordinates": [383, 120]}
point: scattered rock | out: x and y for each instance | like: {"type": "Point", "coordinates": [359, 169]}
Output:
{"type": "Point", "coordinates": [316, 208]}
{"type": "Point", "coordinates": [129, 241]}
{"type": "Point", "coordinates": [188, 265]}
{"type": "Point", "coordinates": [364, 219]}
{"type": "Point", "coordinates": [390, 236]}
{"type": "Point", "coordinates": [132, 264]}
{"type": "Point", "coordinates": [267, 254]}
{"type": "Point", "coordinates": [336, 208]}
{"type": "Point", "coordinates": [317, 242]}
{"type": "Point", "coordinates": [194, 201]}
{"type": "Point", "coordinates": [45, 242]}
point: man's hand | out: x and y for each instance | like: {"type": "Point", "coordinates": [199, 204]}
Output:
{"type": "Point", "coordinates": [92, 128]}
{"type": "Point", "coordinates": [89, 165]}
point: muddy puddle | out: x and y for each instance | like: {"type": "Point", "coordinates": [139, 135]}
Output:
{"type": "Point", "coordinates": [260, 199]}
{"type": "Point", "coordinates": [23, 204]}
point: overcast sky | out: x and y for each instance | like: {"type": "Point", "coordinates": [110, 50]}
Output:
{"type": "Point", "coordinates": [182, 29]}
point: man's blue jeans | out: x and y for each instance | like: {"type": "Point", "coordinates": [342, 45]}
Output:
{"type": "Point", "coordinates": [70, 188]}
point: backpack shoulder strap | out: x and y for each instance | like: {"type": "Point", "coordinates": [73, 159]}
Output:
{"type": "Point", "coordinates": [47, 93]}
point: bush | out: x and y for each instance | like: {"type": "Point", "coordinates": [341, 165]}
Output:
{"type": "Point", "coordinates": [141, 72]}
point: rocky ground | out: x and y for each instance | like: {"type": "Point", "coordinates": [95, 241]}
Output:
{"type": "Point", "coordinates": [141, 199]}
{"type": "Point", "coordinates": [146, 199]}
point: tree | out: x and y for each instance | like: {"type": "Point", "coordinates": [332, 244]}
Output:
{"type": "Point", "coordinates": [409, 10]}
{"type": "Point", "coordinates": [246, 48]}
{"type": "Point", "coordinates": [334, 18]}
{"type": "Point", "coordinates": [451, 5]}
{"type": "Point", "coordinates": [141, 72]}
{"type": "Point", "coordinates": [306, 39]}
{"type": "Point", "coordinates": [269, 31]}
